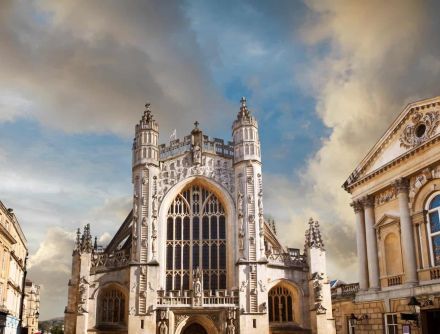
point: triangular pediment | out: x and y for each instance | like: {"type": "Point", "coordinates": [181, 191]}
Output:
{"type": "Point", "coordinates": [387, 219]}
{"type": "Point", "coordinates": [416, 125]}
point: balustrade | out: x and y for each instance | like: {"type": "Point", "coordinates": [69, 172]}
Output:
{"type": "Point", "coordinates": [394, 280]}
{"type": "Point", "coordinates": [185, 297]}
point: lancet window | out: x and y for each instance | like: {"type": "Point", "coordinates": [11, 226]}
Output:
{"type": "Point", "coordinates": [196, 237]}
{"type": "Point", "coordinates": [280, 304]}
{"type": "Point", "coordinates": [111, 303]}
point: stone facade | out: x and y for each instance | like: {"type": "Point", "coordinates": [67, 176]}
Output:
{"type": "Point", "coordinates": [31, 307]}
{"type": "Point", "coordinates": [394, 191]}
{"type": "Point", "coordinates": [196, 253]}
{"type": "Point", "coordinates": [13, 255]}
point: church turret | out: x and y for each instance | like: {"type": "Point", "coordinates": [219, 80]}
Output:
{"type": "Point", "coordinates": [144, 227]}
{"type": "Point", "coordinates": [251, 259]}
{"type": "Point", "coordinates": [320, 295]}
{"type": "Point", "coordinates": [245, 135]}
{"type": "Point", "coordinates": [145, 143]}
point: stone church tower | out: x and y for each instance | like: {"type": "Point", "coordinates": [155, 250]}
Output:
{"type": "Point", "coordinates": [196, 253]}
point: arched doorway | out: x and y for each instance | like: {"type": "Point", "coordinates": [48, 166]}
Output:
{"type": "Point", "coordinates": [194, 328]}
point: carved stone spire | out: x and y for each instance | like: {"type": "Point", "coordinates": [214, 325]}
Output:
{"type": "Point", "coordinates": [86, 240]}
{"type": "Point", "coordinates": [244, 111]}
{"type": "Point", "coordinates": [313, 235]}
{"type": "Point", "coordinates": [148, 117]}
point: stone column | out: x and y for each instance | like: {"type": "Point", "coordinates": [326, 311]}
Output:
{"type": "Point", "coordinates": [370, 231]}
{"type": "Point", "coordinates": [361, 244]}
{"type": "Point", "coordinates": [407, 233]}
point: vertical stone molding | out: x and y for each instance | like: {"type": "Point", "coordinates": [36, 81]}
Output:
{"type": "Point", "coordinates": [361, 244]}
{"type": "Point", "coordinates": [407, 233]}
{"type": "Point", "coordinates": [370, 232]}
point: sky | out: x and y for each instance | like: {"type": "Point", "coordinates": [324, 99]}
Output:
{"type": "Point", "coordinates": [323, 78]}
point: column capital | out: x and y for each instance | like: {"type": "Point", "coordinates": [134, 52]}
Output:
{"type": "Point", "coordinates": [357, 206]}
{"type": "Point", "coordinates": [402, 185]}
{"type": "Point", "coordinates": [368, 201]}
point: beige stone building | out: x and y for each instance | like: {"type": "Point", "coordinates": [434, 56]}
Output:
{"type": "Point", "coordinates": [195, 254]}
{"type": "Point", "coordinates": [31, 304]}
{"type": "Point", "coordinates": [13, 254]}
{"type": "Point", "coordinates": [396, 202]}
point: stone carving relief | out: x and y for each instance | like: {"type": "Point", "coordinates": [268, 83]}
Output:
{"type": "Point", "coordinates": [178, 318]}
{"type": "Point", "coordinates": [240, 223]}
{"type": "Point", "coordinates": [262, 286]}
{"type": "Point", "coordinates": [317, 286]}
{"type": "Point", "coordinates": [386, 196]}
{"type": "Point", "coordinates": [423, 127]}
{"type": "Point", "coordinates": [82, 299]}
{"type": "Point", "coordinates": [421, 179]}
{"type": "Point", "coordinates": [162, 321]}
{"type": "Point", "coordinates": [320, 309]}
{"type": "Point", "coordinates": [243, 285]}
{"type": "Point", "coordinates": [174, 171]}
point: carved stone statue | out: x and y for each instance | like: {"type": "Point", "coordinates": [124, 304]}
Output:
{"type": "Point", "coordinates": [163, 328]}
{"type": "Point", "coordinates": [240, 204]}
{"type": "Point", "coordinates": [231, 327]}
{"type": "Point", "coordinates": [197, 155]}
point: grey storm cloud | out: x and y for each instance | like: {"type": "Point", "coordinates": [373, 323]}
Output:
{"type": "Point", "coordinates": [84, 66]}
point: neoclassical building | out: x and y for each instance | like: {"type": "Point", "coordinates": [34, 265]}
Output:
{"type": "Point", "coordinates": [195, 254]}
{"type": "Point", "coordinates": [13, 258]}
{"type": "Point", "coordinates": [396, 202]}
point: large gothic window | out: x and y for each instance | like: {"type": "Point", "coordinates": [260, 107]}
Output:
{"type": "Point", "coordinates": [434, 229]}
{"type": "Point", "coordinates": [280, 304]}
{"type": "Point", "coordinates": [111, 304]}
{"type": "Point", "coordinates": [196, 237]}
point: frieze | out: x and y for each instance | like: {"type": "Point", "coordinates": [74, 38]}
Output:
{"type": "Point", "coordinates": [386, 196]}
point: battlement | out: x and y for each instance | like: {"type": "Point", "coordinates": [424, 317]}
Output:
{"type": "Point", "coordinates": [210, 145]}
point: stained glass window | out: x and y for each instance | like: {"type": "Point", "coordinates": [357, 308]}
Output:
{"type": "Point", "coordinates": [196, 237]}
{"type": "Point", "coordinates": [111, 303]}
{"type": "Point", "coordinates": [280, 304]}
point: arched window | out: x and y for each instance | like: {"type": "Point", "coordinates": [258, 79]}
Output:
{"type": "Point", "coordinates": [433, 227]}
{"type": "Point", "coordinates": [280, 304]}
{"type": "Point", "coordinates": [196, 237]}
{"type": "Point", "coordinates": [111, 307]}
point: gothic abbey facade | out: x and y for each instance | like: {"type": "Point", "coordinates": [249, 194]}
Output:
{"type": "Point", "coordinates": [196, 254]}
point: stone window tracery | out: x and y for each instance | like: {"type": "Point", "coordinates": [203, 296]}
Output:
{"type": "Point", "coordinates": [111, 303]}
{"type": "Point", "coordinates": [433, 227]}
{"type": "Point", "coordinates": [196, 237]}
{"type": "Point", "coordinates": [280, 304]}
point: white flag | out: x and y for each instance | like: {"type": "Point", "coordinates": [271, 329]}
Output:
{"type": "Point", "coordinates": [173, 135]}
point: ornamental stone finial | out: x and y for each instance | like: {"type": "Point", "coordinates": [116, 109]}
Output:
{"type": "Point", "coordinates": [313, 235]}
{"type": "Point", "coordinates": [147, 113]}
{"type": "Point", "coordinates": [243, 102]}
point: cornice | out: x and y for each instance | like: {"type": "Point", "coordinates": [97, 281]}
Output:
{"type": "Point", "coordinates": [393, 163]}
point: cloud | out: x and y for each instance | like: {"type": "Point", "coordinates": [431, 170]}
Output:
{"type": "Point", "coordinates": [368, 60]}
{"type": "Point", "coordinates": [81, 66]}
{"type": "Point", "coordinates": [50, 267]}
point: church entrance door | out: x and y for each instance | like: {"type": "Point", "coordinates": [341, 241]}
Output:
{"type": "Point", "coordinates": [431, 321]}
{"type": "Point", "coordinates": [194, 329]}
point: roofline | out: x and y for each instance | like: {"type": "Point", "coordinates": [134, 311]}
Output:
{"type": "Point", "coordinates": [346, 185]}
